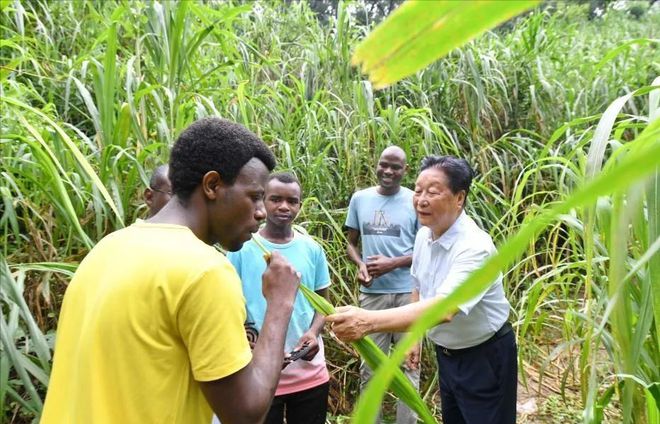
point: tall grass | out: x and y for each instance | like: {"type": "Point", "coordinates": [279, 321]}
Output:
{"type": "Point", "coordinates": [94, 93]}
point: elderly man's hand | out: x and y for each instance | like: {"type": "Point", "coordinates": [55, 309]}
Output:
{"type": "Point", "coordinates": [350, 323]}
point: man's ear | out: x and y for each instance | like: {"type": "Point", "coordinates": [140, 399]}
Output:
{"type": "Point", "coordinates": [212, 185]}
{"type": "Point", "coordinates": [148, 196]}
{"type": "Point", "coordinates": [461, 198]}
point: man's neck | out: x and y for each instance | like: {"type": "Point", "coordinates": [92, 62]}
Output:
{"type": "Point", "coordinates": [442, 227]}
{"type": "Point", "coordinates": [388, 191]}
{"type": "Point", "coordinates": [189, 214]}
{"type": "Point", "coordinates": [277, 235]}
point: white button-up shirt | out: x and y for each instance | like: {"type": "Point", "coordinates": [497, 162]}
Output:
{"type": "Point", "coordinates": [441, 265]}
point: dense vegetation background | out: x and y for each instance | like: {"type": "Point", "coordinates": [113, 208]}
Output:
{"type": "Point", "coordinates": [95, 92]}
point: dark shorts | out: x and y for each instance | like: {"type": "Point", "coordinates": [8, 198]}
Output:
{"type": "Point", "coordinates": [478, 385]}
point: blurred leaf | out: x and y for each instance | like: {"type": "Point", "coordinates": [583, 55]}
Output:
{"type": "Point", "coordinates": [623, 47]}
{"type": "Point", "coordinates": [420, 32]}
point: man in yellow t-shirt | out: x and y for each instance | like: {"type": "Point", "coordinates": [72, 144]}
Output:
{"type": "Point", "coordinates": [151, 327]}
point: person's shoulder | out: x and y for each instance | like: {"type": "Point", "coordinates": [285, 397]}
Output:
{"type": "Point", "coordinates": [474, 238]}
{"type": "Point", "coordinates": [406, 195]}
{"type": "Point", "coordinates": [304, 239]}
{"type": "Point", "coordinates": [406, 191]}
{"type": "Point", "coordinates": [365, 192]}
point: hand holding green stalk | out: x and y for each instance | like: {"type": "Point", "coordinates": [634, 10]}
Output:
{"type": "Point", "coordinates": [368, 350]}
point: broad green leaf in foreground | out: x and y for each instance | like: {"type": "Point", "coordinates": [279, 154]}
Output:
{"type": "Point", "coordinates": [420, 32]}
{"type": "Point", "coordinates": [371, 354]}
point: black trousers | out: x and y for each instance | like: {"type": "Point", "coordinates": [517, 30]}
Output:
{"type": "Point", "coordinates": [478, 385]}
{"type": "Point", "coordinates": [307, 407]}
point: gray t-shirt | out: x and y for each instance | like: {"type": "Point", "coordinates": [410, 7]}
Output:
{"type": "Point", "coordinates": [441, 265]}
{"type": "Point", "coordinates": [387, 226]}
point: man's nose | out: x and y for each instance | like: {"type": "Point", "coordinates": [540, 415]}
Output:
{"type": "Point", "coordinates": [260, 211]}
{"type": "Point", "coordinates": [422, 199]}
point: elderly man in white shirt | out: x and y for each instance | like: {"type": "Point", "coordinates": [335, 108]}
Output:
{"type": "Point", "coordinates": [475, 347]}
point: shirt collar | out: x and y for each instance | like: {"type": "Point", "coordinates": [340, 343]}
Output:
{"type": "Point", "coordinates": [449, 237]}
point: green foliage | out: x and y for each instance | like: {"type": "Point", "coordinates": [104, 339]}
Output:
{"type": "Point", "coordinates": [93, 94]}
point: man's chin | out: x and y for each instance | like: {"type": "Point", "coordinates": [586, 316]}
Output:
{"type": "Point", "coordinates": [389, 184]}
{"type": "Point", "coordinates": [235, 246]}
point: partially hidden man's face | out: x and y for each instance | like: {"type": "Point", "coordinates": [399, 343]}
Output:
{"type": "Point", "coordinates": [282, 202]}
{"type": "Point", "coordinates": [239, 208]}
{"type": "Point", "coordinates": [390, 169]}
{"type": "Point", "coordinates": [158, 196]}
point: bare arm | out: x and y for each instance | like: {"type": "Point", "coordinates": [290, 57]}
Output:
{"type": "Point", "coordinates": [351, 323]}
{"type": "Point", "coordinates": [355, 255]}
{"type": "Point", "coordinates": [245, 396]}
{"type": "Point", "coordinates": [319, 320]}
{"type": "Point", "coordinates": [353, 248]}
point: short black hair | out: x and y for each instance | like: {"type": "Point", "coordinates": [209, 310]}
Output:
{"type": "Point", "coordinates": [458, 171]}
{"type": "Point", "coordinates": [159, 176]}
{"type": "Point", "coordinates": [213, 144]}
{"type": "Point", "coordinates": [284, 177]}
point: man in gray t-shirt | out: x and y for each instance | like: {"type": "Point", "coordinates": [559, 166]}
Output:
{"type": "Point", "coordinates": [382, 219]}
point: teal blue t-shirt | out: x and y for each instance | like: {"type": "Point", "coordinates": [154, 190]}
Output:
{"type": "Point", "coordinates": [306, 256]}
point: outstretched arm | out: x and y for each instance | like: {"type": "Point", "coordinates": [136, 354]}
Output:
{"type": "Point", "coordinates": [351, 323]}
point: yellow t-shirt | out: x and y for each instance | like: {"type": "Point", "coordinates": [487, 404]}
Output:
{"type": "Point", "coordinates": [150, 311]}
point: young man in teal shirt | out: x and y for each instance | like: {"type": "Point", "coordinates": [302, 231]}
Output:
{"type": "Point", "coordinates": [302, 392]}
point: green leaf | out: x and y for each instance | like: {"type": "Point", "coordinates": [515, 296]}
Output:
{"type": "Point", "coordinates": [624, 47]}
{"type": "Point", "coordinates": [82, 160]}
{"type": "Point", "coordinates": [420, 32]}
